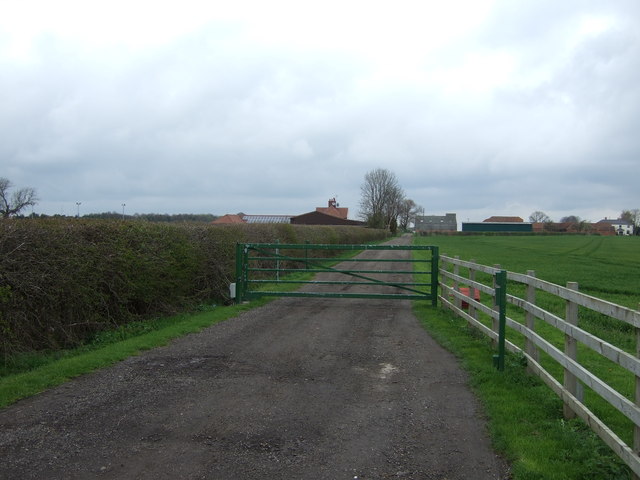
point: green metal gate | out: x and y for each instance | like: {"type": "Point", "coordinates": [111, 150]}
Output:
{"type": "Point", "coordinates": [272, 269]}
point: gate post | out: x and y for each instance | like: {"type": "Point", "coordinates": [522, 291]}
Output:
{"type": "Point", "coordinates": [435, 257]}
{"type": "Point", "coordinates": [495, 322]}
{"type": "Point", "coordinates": [240, 261]}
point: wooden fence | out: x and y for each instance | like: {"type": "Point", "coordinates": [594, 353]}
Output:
{"type": "Point", "coordinates": [469, 298]}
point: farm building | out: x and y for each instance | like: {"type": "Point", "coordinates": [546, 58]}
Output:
{"type": "Point", "coordinates": [229, 219]}
{"type": "Point", "coordinates": [510, 227]}
{"type": "Point", "coordinates": [242, 218]}
{"type": "Point", "coordinates": [499, 224]}
{"type": "Point", "coordinates": [334, 209]}
{"type": "Point", "coordinates": [267, 218]}
{"type": "Point", "coordinates": [321, 218]}
{"type": "Point", "coordinates": [332, 214]}
{"type": "Point", "coordinates": [572, 227]}
{"type": "Point", "coordinates": [620, 227]}
{"type": "Point", "coordinates": [436, 223]}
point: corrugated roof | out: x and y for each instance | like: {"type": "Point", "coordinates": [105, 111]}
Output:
{"type": "Point", "coordinates": [267, 218]}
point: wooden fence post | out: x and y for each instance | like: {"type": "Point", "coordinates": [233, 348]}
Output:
{"type": "Point", "coordinates": [571, 351]}
{"type": "Point", "coordinates": [472, 291]}
{"type": "Point", "coordinates": [636, 428]}
{"type": "Point", "coordinates": [530, 320]}
{"type": "Point", "coordinates": [442, 280]}
{"type": "Point", "coordinates": [456, 271]}
{"type": "Point", "coordinates": [501, 298]}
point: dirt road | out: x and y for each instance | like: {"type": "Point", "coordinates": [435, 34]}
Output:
{"type": "Point", "coordinates": [297, 389]}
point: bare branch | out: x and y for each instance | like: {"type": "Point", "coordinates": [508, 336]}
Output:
{"type": "Point", "coordinates": [381, 198]}
{"type": "Point", "coordinates": [20, 199]}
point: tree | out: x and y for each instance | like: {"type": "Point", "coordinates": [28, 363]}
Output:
{"type": "Point", "coordinates": [539, 217]}
{"type": "Point", "coordinates": [570, 219]}
{"type": "Point", "coordinates": [20, 199]}
{"type": "Point", "coordinates": [381, 198]}
{"type": "Point", "coordinates": [633, 217]}
{"type": "Point", "coordinates": [584, 226]}
{"type": "Point", "coordinates": [578, 224]}
{"type": "Point", "coordinates": [393, 226]}
{"type": "Point", "coordinates": [408, 211]}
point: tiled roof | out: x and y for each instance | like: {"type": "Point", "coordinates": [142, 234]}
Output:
{"type": "Point", "coordinates": [504, 220]}
{"type": "Point", "coordinates": [226, 219]}
{"type": "Point", "coordinates": [340, 212]}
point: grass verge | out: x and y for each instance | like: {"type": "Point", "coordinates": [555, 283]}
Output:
{"type": "Point", "coordinates": [38, 372]}
{"type": "Point", "coordinates": [524, 415]}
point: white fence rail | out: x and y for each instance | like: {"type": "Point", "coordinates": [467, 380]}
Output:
{"type": "Point", "coordinates": [463, 295]}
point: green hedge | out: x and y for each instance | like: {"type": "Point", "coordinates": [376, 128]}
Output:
{"type": "Point", "coordinates": [62, 280]}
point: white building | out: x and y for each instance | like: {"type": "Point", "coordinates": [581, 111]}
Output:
{"type": "Point", "coordinates": [621, 227]}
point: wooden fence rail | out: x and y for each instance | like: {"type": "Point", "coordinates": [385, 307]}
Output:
{"type": "Point", "coordinates": [457, 294]}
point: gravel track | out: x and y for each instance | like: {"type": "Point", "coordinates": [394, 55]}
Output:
{"type": "Point", "coordinates": [297, 389]}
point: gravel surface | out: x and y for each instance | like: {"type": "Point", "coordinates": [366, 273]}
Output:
{"type": "Point", "coordinates": [297, 389]}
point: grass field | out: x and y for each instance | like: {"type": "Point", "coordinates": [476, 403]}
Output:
{"type": "Point", "coordinates": [605, 267]}
{"type": "Point", "coordinates": [526, 418]}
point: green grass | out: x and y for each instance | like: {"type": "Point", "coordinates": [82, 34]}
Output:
{"type": "Point", "coordinates": [525, 417]}
{"type": "Point", "coordinates": [30, 374]}
{"type": "Point", "coordinates": [605, 267]}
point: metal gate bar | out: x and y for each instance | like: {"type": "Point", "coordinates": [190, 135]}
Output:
{"type": "Point", "coordinates": [252, 281]}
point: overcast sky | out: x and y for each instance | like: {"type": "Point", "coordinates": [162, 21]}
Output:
{"type": "Point", "coordinates": [479, 107]}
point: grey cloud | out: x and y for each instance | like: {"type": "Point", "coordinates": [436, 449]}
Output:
{"type": "Point", "coordinates": [214, 122]}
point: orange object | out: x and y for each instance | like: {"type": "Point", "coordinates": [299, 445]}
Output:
{"type": "Point", "coordinates": [465, 291]}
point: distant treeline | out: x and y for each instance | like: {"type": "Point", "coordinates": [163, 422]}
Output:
{"type": "Point", "coordinates": [157, 217]}
{"type": "Point", "coordinates": [149, 217]}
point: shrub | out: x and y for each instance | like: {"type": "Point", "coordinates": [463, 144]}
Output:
{"type": "Point", "coordinates": [64, 280]}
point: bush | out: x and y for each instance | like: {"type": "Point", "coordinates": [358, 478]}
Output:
{"type": "Point", "coordinates": [64, 280]}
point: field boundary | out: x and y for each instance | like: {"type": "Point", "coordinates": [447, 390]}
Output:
{"type": "Point", "coordinates": [464, 296]}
